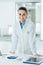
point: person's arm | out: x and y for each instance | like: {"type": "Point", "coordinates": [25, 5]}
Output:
{"type": "Point", "coordinates": [33, 42]}
{"type": "Point", "coordinates": [14, 41]}
{"type": "Point", "coordinates": [32, 39]}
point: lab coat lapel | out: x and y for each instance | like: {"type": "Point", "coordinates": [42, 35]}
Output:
{"type": "Point", "coordinates": [26, 27]}
{"type": "Point", "coordinates": [20, 40]}
{"type": "Point", "coordinates": [19, 30]}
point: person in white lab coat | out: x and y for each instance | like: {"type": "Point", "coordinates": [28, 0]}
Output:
{"type": "Point", "coordinates": [24, 34]}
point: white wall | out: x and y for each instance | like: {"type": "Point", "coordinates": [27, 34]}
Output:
{"type": "Point", "coordinates": [7, 18]}
{"type": "Point", "coordinates": [6, 13]}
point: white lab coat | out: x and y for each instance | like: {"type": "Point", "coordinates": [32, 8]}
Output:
{"type": "Point", "coordinates": [23, 39]}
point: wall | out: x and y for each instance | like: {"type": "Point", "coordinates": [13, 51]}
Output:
{"type": "Point", "coordinates": [6, 18]}
{"type": "Point", "coordinates": [6, 13]}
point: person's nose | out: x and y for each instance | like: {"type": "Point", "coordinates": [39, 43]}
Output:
{"type": "Point", "coordinates": [21, 17]}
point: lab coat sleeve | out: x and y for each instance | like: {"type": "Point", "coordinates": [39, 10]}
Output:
{"type": "Point", "coordinates": [32, 40]}
{"type": "Point", "coordinates": [14, 41]}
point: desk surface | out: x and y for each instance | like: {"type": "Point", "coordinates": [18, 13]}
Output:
{"type": "Point", "coordinates": [5, 61]}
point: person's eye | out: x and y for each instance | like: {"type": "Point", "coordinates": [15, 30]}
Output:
{"type": "Point", "coordinates": [19, 14]}
{"type": "Point", "coordinates": [23, 14]}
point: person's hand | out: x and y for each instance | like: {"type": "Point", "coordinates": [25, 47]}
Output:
{"type": "Point", "coordinates": [38, 55]}
{"type": "Point", "coordinates": [12, 52]}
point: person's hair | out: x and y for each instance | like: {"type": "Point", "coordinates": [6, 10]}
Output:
{"type": "Point", "coordinates": [23, 8]}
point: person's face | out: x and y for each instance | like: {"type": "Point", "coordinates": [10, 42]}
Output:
{"type": "Point", "coordinates": [22, 14]}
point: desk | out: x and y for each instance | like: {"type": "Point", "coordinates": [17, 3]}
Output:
{"type": "Point", "coordinates": [5, 61]}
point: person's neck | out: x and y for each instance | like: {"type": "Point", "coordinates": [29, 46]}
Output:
{"type": "Point", "coordinates": [22, 21]}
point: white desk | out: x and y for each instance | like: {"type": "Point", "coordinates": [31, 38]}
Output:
{"type": "Point", "coordinates": [5, 61]}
